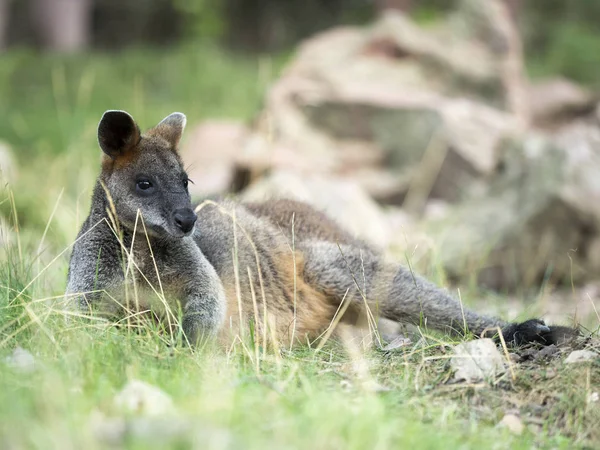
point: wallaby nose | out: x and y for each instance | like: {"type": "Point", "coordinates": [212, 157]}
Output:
{"type": "Point", "coordinates": [185, 219]}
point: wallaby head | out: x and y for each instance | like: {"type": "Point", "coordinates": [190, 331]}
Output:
{"type": "Point", "coordinates": [143, 172]}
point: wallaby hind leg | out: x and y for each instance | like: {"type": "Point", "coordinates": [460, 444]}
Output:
{"type": "Point", "coordinates": [398, 294]}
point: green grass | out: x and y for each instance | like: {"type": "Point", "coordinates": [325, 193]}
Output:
{"type": "Point", "coordinates": [572, 52]}
{"type": "Point", "coordinates": [304, 399]}
{"type": "Point", "coordinates": [51, 102]}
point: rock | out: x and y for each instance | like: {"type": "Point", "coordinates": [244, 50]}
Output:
{"type": "Point", "coordinates": [513, 423]}
{"type": "Point", "coordinates": [21, 360]}
{"type": "Point", "coordinates": [391, 331]}
{"type": "Point", "coordinates": [409, 42]}
{"type": "Point", "coordinates": [139, 397]}
{"type": "Point", "coordinates": [401, 109]}
{"type": "Point", "coordinates": [558, 100]}
{"type": "Point", "coordinates": [578, 356]}
{"type": "Point", "coordinates": [540, 213]}
{"type": "Point", "coordinates": [492, 24]}
{"type": "Point", "coordinates": [342, 200]}
{"type": "Point", "coordinates": [477, 360]}
{"type": "Point", "coordinates": [436, 147]}
{"type": "Point", "coordinates": [210, 153]}
{"type": "Point", "coordinates": [397, 343]}
{"type": "Point", "coordinates": [476, 52]}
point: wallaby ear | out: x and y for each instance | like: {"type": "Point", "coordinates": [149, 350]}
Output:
{"type": "Point", "coordinates": [117, 133]}
{"type": "Point", "coordinates": [171, 128]}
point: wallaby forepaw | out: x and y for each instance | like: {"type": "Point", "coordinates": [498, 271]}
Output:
{"type": "Point", "coordinates": [536, 331]}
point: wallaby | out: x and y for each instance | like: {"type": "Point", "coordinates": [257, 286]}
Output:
{"type": "Point", "coordinates": [278, 266]}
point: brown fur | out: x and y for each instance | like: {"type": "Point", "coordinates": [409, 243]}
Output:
{"type": "Point", "coordinates": [308, 223]}
{"type": "Point", "coordinates": [305, 320]}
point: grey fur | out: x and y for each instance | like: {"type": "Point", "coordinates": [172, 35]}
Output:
{"type": "Point", "coordinates": [240, 260]}
{"type": "Point", "coordinates": [392, 289]}
{"type": "Point", "coordinates": [172, 127]}
{"type": "Point", "coordinates": [97, 270]}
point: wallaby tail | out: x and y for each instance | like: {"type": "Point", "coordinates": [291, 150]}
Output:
{"type": "Point", "coordinates": [398, 294]}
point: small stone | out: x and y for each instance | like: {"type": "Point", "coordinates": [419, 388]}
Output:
{"type": "Point", "coordinates": [513, 423]}
{"type": "Point", "coordinates": [398, 343]}
{"type": "Point", "coordinates": [546, 352]}
{"type": "Point", "coordinates": [579, 356]}
{"type": "Point", "coordinates": [21, 360]}
{"type": "Point", "coordinates": [593, 397]}
{"type": "Point", "coordinates": [476, 360]}
{"type": "Point", "coordinates": [142, 398]}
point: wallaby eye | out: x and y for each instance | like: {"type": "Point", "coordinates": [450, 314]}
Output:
{"type": "Point", "coordinates": [144, 185]}
{"type": "Point", "coordinates": [185, 183]}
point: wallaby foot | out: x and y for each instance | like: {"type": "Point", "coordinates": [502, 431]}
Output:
{"type": "Point", "coordinates": [203, 318]}
{"type": "Point", "coordinates": [536, 331]}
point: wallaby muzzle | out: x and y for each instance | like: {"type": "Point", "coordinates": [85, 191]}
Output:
{"type": "Point", "coordinates": [185, 219]}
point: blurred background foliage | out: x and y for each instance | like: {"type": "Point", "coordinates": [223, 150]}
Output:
{"type": "Point", "coordinates": [560, 36]}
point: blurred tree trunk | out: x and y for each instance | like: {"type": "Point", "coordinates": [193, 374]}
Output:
{"type": "Point", "coordinates": [63, 25]}
{"type": "Point", "coordinates": [3, 23]}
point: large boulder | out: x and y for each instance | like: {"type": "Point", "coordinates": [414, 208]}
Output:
{"type": "Point", "coordinates": [396, 107]}
{"type": "Point", "coordinates": [537, 222]}
{"type": "Point", "coordinates": [558, 101]}
{"type": "Point", "coordinates": [433, 146]}
{"type": "Point", "coordinates": [476, 53]}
